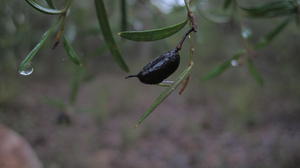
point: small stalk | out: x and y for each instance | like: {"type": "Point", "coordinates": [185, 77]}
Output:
{"type": "Point", "coordinates": [60, 33]}
{"type": "Point", "coordinates": [193, 28]}
{"type": "Point", "coordinates": [63, 16]}
{"type": "Point", "coordinates": [179, 46]}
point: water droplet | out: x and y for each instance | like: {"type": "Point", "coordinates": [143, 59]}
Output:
{"type": "Point", "coordinates": [246, 32]}
{"type": "Point", "coordinates": [26, 70]}
{"type": "Point", "coordinates": [234, 63]}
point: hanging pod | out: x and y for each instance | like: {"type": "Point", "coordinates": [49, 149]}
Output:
{"type": "Point", "coordinates": [160, 68]}
{"type": "Point", "coordinates": [163, 66]}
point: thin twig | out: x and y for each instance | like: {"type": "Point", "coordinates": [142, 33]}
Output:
{"type": "Point", "coordinates": [179, 46]}
{"type": "Point", "coordinates": [191, 18]}
{"type": "Point", "coordinates": [63, 16]}
{"type": "Point", "coordinates": [193, 28]}
{"type": "Point", "coordinates": [60, 33]}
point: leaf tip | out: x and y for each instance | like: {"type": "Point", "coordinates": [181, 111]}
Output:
{"type": "Point", "coordinates": [126, 68]}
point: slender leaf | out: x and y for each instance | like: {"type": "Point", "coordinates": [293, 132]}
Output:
{"type": "Point", "coordinates": [123, 15]}
{"type": "Point", "coordinates": [106, 31]}
{"type": "Point", "coordinates": [187, 5]}
{"type": "Point", "coordinates": [166, 93]}
{"type": "Point", "coordinates": [45, 10]}
{"type": "Point", "coordinates": [73, 56]}
{"type": "Point", "coordinates": [37, 48]}
{"type": "Point", "coordinates": [272, 9]}
{"type": "Point", "coordinates": [223, 67]}
{"type": "Point", "coordinates": [254, 73]}
{"type": "Point", "coordinates": [266, 40]}
{"type": "Point", "coordinates": [154, 34]}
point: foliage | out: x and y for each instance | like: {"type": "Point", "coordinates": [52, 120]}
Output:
{"type": "Point", "coordinates": [287, 10]}
{"type": "Point", "coordinates": [104, 24]}
{"type": "Point", "coordinates": [154, 34]}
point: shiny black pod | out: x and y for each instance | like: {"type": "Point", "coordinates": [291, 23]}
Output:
{"type": "Point", "coordinates": [160, 68]}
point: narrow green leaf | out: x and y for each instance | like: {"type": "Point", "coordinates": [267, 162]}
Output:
{"type": "Point", "coordinates": [107, 34]}
{"type": "Point", "coordinates": [266, 40]}
{"type": "Point", "coordinates": [37, 48]}
{"type": "Point", "coordinates": [272, 9]}
{"type": "Point", "coordinates": [154, 34]}
{"type": "Point", "coordinates": [123, 15]}
{"type": "Point", "coordinates": [73, 56]}
{"type": "Point", "coordinates": [223, 67]}
{"type": "Point", "coordinates": [166, 93]}
{"type": "Point", "coordinates": [254, 73]}
{"type": "Point", "coordinates": [45, 10]}
{"type": "Point", "coordinates": [187, 5]}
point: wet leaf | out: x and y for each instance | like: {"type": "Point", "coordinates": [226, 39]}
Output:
{"type": "Point", "coordinates": [73, 56]}
{"type": "Point", "coordinates": [223, 67]}
{"type": "Point", "coordinates": [272, 9]}
{"type": "Point", "coordinates": [107, 34]}
{"type": "Point", "coordinates": [45, 10]}
{"type": "Point", "coordinates": [254, 73]}
{"type": "Point", "coordinates": [153, 34]}
{"type": "Point", "coordinates": [166, 93]}
{"type": "Point", "coordinates": [37, 48]}
{"type": "Point", "coordinates": [266, 40]}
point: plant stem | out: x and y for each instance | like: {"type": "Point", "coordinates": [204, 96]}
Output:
{"type": "Point", "coordinates": [179, 46]}
{"type": "Point", "coordinates": [193, 28]}
{"type": "Point", "coordinates": [63, 16]}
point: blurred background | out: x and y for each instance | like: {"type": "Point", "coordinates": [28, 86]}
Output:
{"type": "Point", "coordinates": [84, 117]}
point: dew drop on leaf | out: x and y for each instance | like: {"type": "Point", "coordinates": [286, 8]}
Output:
{"type": "Point", "coordinates": [246, 32]}
{"type": "Point", "coordinates": [26, 70]}
{"type": "Point", "coordinates": [234, 63]}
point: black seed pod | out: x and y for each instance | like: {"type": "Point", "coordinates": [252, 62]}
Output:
{"type": "Point", "coordinates": [160, 68]}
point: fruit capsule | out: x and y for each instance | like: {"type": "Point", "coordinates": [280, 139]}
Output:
{"type": "Point", "coordinates": [160, 68]}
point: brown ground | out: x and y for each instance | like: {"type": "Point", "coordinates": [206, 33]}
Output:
{"type": "Point", "coordinates": [194, 130]}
